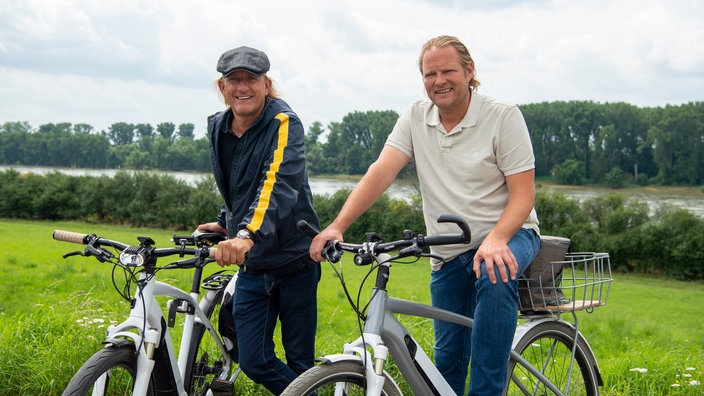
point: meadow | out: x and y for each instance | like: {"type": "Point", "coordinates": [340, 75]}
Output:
{"type": "Point", "coordinates": [648, 339]}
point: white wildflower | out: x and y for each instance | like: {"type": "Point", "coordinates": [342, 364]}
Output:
{"type": "Point", "coordinates": [640, 370]}
{"type": "Point", "coordinates": [694, 383]}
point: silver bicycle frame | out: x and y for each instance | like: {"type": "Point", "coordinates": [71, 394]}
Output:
{"type": "Point", "coordinates": [383, 333]}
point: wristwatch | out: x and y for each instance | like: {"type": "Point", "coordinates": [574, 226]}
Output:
{"type": "Point", "coordinates": [244, 234]}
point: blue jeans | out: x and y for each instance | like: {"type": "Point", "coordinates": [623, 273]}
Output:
{"type": "Point", "coordinates": [494, 308]}
{"type": "Point", "coordinates": [261, 299]}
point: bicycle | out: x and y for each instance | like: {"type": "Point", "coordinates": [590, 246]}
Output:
{"type": "Point", "coordinates": [138, 355]}
{"type": "Point", "coordinates": [546, 348]}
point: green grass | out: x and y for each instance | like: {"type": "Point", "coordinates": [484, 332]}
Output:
{"type": "Point", "coordinates": [54, 312]}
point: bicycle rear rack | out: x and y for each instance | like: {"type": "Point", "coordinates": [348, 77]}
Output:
{"type": "Point", "coordinates": [582, 281]}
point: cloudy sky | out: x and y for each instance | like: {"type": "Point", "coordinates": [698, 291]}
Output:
{"type": "Point", "coordinates": [152, 61]}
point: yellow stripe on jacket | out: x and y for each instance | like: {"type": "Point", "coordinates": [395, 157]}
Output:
{"type": "Point", "coordinates": [265, 195]}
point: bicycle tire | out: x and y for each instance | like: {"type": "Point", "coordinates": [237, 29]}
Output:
{"type": "Point", "coordinates": [323, 378]}
{"type": "Point", "coordinates": [548, 345]}
{"type": "Point", "coordinates": [118, 362]}
{"type": "Point", "coordinates": [204, 357]}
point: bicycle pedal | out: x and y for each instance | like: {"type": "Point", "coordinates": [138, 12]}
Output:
{"type": "Point", "coordinates": [222, 388]}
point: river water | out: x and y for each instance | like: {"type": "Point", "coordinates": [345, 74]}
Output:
{"type": "Point", "coordinates": [690, 199]}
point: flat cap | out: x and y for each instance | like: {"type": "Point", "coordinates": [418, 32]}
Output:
{"type": "Point", "coordinates": [243, 58]}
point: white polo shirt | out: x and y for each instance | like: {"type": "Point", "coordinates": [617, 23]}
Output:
{"type": "Point", "coordinates": [463, 171]}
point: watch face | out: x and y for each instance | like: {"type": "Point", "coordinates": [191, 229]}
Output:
{"type": "Point", "coordinates": [243, 234]}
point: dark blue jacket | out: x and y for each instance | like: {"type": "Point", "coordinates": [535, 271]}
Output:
{"type": "Point", "coordinates": [269, 190]}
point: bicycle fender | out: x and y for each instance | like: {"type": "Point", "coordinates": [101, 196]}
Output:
{"type": "Point", "coordinates": [123, 338]}
{"type": "Point", "coordinates": [118, 342]}
{"type": "Point", "coordinates": [523, 328]}
{"type": "Point", "coordinates": [339, 357]}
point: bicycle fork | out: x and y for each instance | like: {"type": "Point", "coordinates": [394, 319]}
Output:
{"type": "Point", "coordinates": [373, 363]}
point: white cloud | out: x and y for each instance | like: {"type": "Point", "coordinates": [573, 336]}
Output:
{"type": "Point", "coordinates": [110, 61]}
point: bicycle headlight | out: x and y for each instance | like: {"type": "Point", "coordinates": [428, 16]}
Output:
{"type": "Point", "coordinates": [131, 258]}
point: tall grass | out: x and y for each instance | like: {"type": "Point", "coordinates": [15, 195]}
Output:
{"type": "Point", "coordinates": [648, 339]}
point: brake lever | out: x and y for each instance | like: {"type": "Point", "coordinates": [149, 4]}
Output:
{"type": "Point", "coordinates": [187, 263]}
{"type": "Point", "coordinates": [76, 253]}
{"type": "Point", "coordinates": [413, 250]}
{"type": "Point", "coordinates": [434, 256]}
{"type": "Point", "coordinates": [101, 254]}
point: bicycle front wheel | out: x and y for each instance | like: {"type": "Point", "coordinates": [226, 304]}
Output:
{"type": "Point", "coordinates": [549, 347]}
{"type": "Point", "coordinates": [324, 378]}
{"type": "Point", "coordinates": [111, 371]}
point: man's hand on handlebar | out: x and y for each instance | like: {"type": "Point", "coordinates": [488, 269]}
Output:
{"type": "Point", "coordinates": [233, 251]}
{"type": "Point", "coordinates": [229, 251]}
{"type": "Point", "coordinates": [330, 233]}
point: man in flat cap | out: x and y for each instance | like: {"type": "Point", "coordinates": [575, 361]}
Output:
{"type": "Point", "coordinates": [258, 159]}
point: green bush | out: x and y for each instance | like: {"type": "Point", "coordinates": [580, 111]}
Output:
{"type": "Point", "coordinates": [668, 243]}
{"type": "Point", "coordinates": [387, 217]}
{"type": "Point", "coordinates": [672, 244]}
{"type": "Point", "coordinates": [136, 199]}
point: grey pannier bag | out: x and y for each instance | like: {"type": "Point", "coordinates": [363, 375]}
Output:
{"type": "Point", "coordinates": [538, 287]}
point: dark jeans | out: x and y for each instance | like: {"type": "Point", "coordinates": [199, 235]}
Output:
{"type": "Point", "coordinates": [261, 299]}
{"type": "Point", "coordinates": [494, 308]}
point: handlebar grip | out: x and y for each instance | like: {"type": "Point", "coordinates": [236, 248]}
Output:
{"type": "Point", "coordinates": [69, 236]}
{"type": "Point", "coordinates": [211, 252]}
{"type": "Point", "coordinates": [467, 235]}
{"type": "Point", "coordinates": [445, 239]}
{"type": "Point", "coordinates": [307, 228]}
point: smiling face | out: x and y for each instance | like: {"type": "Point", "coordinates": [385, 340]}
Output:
{"type": "Point", "coordinates": [446, 81]}
{"type": "Point", "coordinates": [245, 93]}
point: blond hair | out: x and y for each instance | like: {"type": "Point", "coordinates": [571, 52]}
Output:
{"type": "Point", "coordinates": [462, 51]}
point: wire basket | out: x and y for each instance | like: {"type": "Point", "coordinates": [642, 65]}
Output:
{"type": "Point", "coordinates": [581, 281]}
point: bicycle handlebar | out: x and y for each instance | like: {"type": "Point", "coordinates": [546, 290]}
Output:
{"type": "Point", "coordinates": [410, 245]}
{"type": "Point", "coordinates": [95, 241]}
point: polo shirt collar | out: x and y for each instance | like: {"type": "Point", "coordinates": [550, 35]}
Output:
{"type": "Point", "coordinates": [432, 117]}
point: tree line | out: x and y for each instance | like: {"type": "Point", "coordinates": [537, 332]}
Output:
{"type": "Point", "coordinates": [575, 142]}
{"type": "Point", "coordinates": [666, 243]}
{"type": "Point", "coordinates": [123, 145]}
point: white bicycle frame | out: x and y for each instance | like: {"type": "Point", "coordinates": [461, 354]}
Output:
{"type": "Point", "coordinates": [146, 317]}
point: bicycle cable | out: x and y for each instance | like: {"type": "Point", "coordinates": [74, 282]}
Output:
{"type": "Point", "coordinates": [341, 277]}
